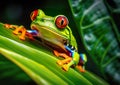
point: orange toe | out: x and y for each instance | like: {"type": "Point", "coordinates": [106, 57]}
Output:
{"type": "Point", "coordinates": [59, 62]}
{"type": "Point", "coordinates": [65, 67]}
{"type": "Point", "coordinates": [80, 68]}
{"type": "Point", "coordinates": [22, 38]}
{"type": "Point", "coordinates": [56, 53]}
{"type": "Point", "coordinates": [7, 25]}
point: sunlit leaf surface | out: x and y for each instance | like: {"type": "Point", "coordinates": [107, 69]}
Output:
{"type": "Point", "coordinates": [99, 34]}
{"type": "Point", "coordinates": [37, 63]}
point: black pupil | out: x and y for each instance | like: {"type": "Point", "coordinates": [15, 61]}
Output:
{"type": "Point", "coordinates": [62, 22]}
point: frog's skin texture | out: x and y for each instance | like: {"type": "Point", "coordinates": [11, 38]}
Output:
{"type": "Point", "coordinates": [56, 34]}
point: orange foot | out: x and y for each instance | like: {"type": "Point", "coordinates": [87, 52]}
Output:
{"type": "Point", "coordinates": [65, 67]}
{"type": "Point", "coordinates": [21, 30]}
{"type": "Point", "coordinates": [80, 68]}
{"type": "Point", "coordinates": [7, 26]}
{"type": "Point", "coordinates": [56, 53]}
{"type": "Point", "coordinates": [64, 61]}
{"type": "Point", "coordinates": [59, 62]}
{"type": "Point", "coordinates": [18, 29]}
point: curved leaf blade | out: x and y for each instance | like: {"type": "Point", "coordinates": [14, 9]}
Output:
{"type": "Point", "coordinates": [35, 59]}
{"type": "Point", "coordinates": [41, 58]}
{"type": "Point", "coordinates": [97, 31]}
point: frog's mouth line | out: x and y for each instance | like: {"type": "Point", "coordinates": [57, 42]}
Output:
{"type": "Point", "coordinates": [45, 30]}
{"type": "Point", "coordinates": [36, 27]}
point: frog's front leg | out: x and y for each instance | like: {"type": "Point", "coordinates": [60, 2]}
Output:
{"type": "Point", "coordinates": [56, 53]}
{"type": "Point", "coordinates": [17, 29]}
{"type": "Point", "coordinates": [66, 59]}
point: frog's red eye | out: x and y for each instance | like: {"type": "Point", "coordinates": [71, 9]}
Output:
{"type": "Point", "coordinates": [33, 15]}
{"type": "Point", "coordinates": [61, 21]}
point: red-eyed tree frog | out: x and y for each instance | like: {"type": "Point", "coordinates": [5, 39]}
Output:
{"type": "Point", "coordinates": [56, 34]}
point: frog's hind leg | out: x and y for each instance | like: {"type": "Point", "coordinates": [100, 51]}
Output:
{"type": "Point", "coordinates": [80, 68]}
{"type": "Point", "coordinates": [17, 29]}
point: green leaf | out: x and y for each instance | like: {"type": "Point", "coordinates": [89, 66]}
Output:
{"type": "Point", "coordinates": [37, 62]}
{"type": "Point", "coordinates": [99, 35]}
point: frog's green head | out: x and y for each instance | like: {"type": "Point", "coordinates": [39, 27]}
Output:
{"type": "Point", "coordinates": [54, 30]}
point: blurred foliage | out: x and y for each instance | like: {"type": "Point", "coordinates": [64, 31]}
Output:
{"type": "Point", "coordinates": [113, 7]}
{"type": "Point", "coordinates": [96, 23]}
